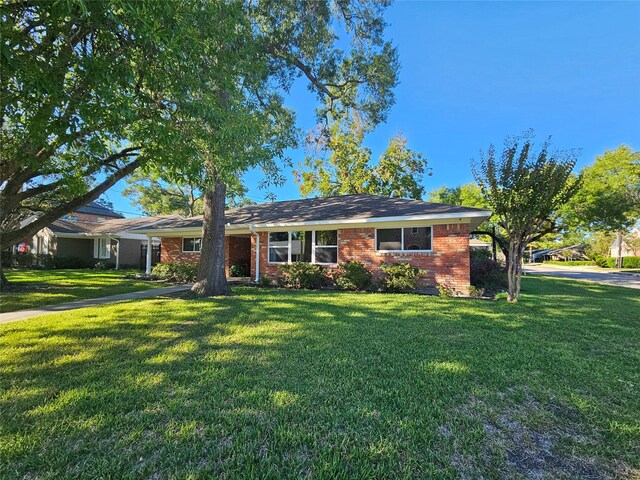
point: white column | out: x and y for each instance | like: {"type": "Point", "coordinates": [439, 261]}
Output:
{"type": "Point", "coordinates": [149, 253]}
{"type": "Point", "coordinates": [117, 253]}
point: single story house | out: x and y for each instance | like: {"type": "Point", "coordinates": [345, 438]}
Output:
{"type": "Point", "coordinates": [91, 234]}
{"type": "Point", "coordinates": [330, 230]}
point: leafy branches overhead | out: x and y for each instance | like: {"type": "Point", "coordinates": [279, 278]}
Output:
{"type": "Point", "coordinates": [89, 92]}
{"type": "Point", "coordinates": [524, 189]}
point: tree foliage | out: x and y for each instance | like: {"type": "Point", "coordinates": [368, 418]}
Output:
{"type": "Point", "coordinates": [350, 170]}
{"type": "Point", "coordinates": [524, 189]}
{"type": "Point", "coordinates": [609, 197]}
{"type": "Point", "coordinates": [92, 90]}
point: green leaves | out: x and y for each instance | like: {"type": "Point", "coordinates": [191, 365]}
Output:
{"type": "Point", "coordinates": [609, 197]}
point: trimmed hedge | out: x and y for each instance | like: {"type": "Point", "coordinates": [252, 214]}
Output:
{"type": "Point", "coordinates": [352, 276]}
{"type": "Point", "coordinates": [572, 263]}
{"type": "Point", "coordinates": [610, 262]}
{"type": "Point", "coordinates": [175, 272]}
{"type": "Point", "coordinates": [302, 275]}
{"type": "Point", "coordinates": [45, 262]}
{"type": "Point", "coordinates": [400, 277]}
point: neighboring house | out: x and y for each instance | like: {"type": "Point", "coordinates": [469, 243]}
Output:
{"type": "Point", "coordinates": [479, 244]}
{"type": "Point", "coordinates": [573, 252]}
{"type": "Point", "coordinates": [93, 233]}
{"type": "Point", "coordinates": [327, 231]}
{"type": "Point", "coordinates": [627, 250]}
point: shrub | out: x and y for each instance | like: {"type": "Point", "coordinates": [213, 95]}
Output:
{"type": "Point", "coordinates": [237, 270]}
{"type": "Point", "coordinates": [302, 275]}
{"type": "Point", "coordinates": [101, 265]}
{"type": "Point", "coordinates": [488, 275]}
{"type": "Point", "coordinates": [265, 281]}
{"type": "Point", "coordinates": [51, 262]}
{"type": "Point", "coordinates": [400, 277]}
{"type": "Point", "coordinates": [445, 292]}
{"type": "Point", "coordinates": [480, 253]}
{"type": "Point", "coordinates": [631, 262]}
{"type": "Point", "coordinates": [175, 272]}
{"type": "Point", "coordinates": [352, 276]}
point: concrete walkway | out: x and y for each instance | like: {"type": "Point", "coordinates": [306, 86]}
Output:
{"type": "Point", "coordinates": [90, 302]}
{"type": "Point", "coordinates": [618, 279]}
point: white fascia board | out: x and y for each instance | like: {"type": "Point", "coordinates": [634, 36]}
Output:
{"type": "Point", "coordinates": [474, 218]}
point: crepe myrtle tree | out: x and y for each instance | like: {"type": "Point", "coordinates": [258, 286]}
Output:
{"type": "Point", "coordinates": [288, 40]}
{"type": "Point", "coordinates": [524, 190]}
{"type": "Point", "coordinates": [89, 92]}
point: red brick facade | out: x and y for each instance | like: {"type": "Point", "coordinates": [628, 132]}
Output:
{"type": "Point", "coordinates": [447, 264]}
{"type": "Point", "coordinates": [236, 252]}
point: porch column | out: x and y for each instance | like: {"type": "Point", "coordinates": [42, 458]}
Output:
{"type": "Point", "coordinates": [149, 253]}
{"type": "Point", "coordinates": [117, 253]}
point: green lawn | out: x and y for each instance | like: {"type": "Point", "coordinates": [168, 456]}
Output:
{"type": "Point", "coordinates": [35, 288]}
{"type": "Point", "coordinates": [283, 384]}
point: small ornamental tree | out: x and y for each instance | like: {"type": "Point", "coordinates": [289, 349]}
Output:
{"type": "Point", "coordinates": [523, 190]}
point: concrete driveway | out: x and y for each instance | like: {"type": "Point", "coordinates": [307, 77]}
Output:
{"type": "Point", "coordinates": [586, 274]}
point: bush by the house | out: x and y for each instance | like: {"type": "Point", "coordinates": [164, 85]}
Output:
{"type": "Point", "coordinates": [352, 276]}
{"type": "Point", "coordinates": [265, 281]}
{"type": "Point", "coordinates": [488, 275]}
{"type": "Point", "coordinates": [302, 275]}
{"type": "Point", "coordinates": [480, 253]}
{"type": "Point", "coordinates": [102, 265]}
{"type": "Point", "coordinates": [572, 263]}
{"type": "Point", "coordinates": [631, 262]}
{"type": "Point", "coordinates": [237, 270]}
{"type": "Point", "coordinates": [175, 272]}
{"type": "Point", "coordinates": [400, 277]}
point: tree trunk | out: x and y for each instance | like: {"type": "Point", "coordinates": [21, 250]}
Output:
{"type": "Point", "coordinates": [212, 279]}
{"type": "Point", "coordinates": [514, 270]}
{"type": "Point", "coordinates": [619, 259]}
{"type": "Point", "coordinates": [3, 280]}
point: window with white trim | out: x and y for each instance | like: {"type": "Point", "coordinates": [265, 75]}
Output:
{"type": "Point", "coordinates": [191, 244]}
{"type": "Point", "coordinates": [102, 248]}
{"type": "Point", "coordinates": [411, 239]}
{"type": "Point", "coordinates": [303, 246]}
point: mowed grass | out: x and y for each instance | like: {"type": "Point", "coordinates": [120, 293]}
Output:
{"type": "Point", "coordinates": [36, 288]}
{"type": "Point", "coordinates": [284, 384]}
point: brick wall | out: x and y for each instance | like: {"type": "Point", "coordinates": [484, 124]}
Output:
{"type": "Point", "coordinates": [236, 251]}
{"type": "Point", "coordinates": [448, 264]}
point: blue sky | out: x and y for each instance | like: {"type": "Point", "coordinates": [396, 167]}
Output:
{"type": "Point", "coordinates": [475, 72]}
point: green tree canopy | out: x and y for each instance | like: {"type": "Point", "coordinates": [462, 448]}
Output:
{"type": "Point", "coordinates": [91, 91]}
{"type": "Point", "coordinates": [524, 189]}
{"type": "Point", "coordinates": [609, 197]}
{"type": "Point", "coordinates": [348, 169]}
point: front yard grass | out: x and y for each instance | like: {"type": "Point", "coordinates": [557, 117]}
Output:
{"type": "Point", "coordinates": [36, 288]}
{"type": "Point", "coordinates": [284, 384]}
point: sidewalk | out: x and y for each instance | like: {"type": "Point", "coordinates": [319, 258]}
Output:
{"type": "Point", "coordinates": [90, 302]}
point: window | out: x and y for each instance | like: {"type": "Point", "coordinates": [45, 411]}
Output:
{"type": "Point", "coordinates": [70, 218]}
{"type": "Point", "coordinates": [416, 239]}
{"type": "Point", "coordinates": [100, 219]}
{"type": "Point", "coordinates": [304, 246]}
{"type": "Point", "coordinates": [326, 246]}
{"type": "Point", "coordinates": [278, 247]}
{"type": "Point", "coordinates": [191, 244]}
{"type": "Point", "coordinates": [102, 248]}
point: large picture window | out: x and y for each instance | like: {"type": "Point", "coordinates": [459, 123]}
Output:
{"type": "Point", "coordinates": [304, 246]}
{"type": "Point", "coordinates": [412, 239]}
{"type": "Point", "coordinates": [192, 244]}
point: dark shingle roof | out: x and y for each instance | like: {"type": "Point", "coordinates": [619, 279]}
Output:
{"type": "Point", "coordinates": [95, 208]}
{"type": "Point", "coordinates": [110, 226]}
{"type": "Point", "coordinates": [345, 207]}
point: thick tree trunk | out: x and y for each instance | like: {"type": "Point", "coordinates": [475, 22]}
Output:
{"type": "Point", "coordinates": [514, 270]}
{"type": "Point", "coordinates": [212, 279]}
{"type": "Point", "coordinates": [3, 280]}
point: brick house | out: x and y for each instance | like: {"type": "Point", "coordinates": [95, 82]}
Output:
{"type": "Point", "coordinates": [331, 230]}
